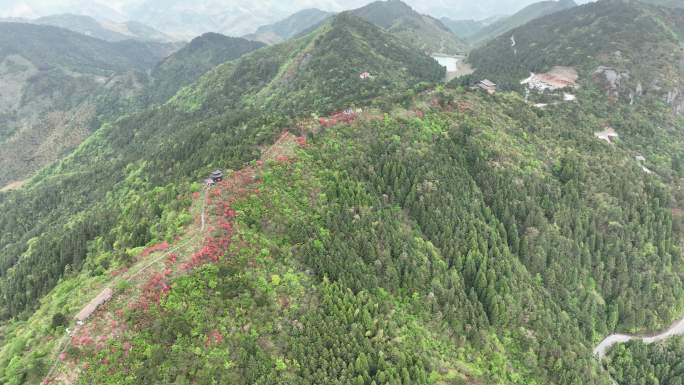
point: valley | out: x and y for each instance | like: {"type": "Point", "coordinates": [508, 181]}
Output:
{"type": "Point", "coordinates": [455, 66]}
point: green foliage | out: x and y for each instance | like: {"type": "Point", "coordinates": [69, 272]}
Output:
{"type": "Point", "coordinates": [447, 238]}
{"type": "Point", "coordinates": [49, 47]}
{"type": "Point", "coordinates": [659, 364]}
{"type": "Point", "coordinates": [420, 31]}
{"type": "Point", "coordinates": [187, 65]}
{"type": "Point", "coordinates": [58, 319]}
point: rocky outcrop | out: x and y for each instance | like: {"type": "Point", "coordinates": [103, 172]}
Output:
{"type": "Point", "coordinates": [620, 84]}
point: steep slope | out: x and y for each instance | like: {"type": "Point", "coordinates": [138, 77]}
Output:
{"type": "Point", "coordinates": [194, 60]}
{"type": "Point", "coordinates": [105, 30]}
{"type": "Point", "coordinates": [630, 49]}
{"type": "Point", "coordinates": [55, 85]}
{"type": "Point", "coordinates": [295, 77]}
{"type": "Point", "coordinates": [522, 17]}
{"type": "Point", "coordinates": [289, 27]}
{"type": "Point", "coordinates": [421, 31]}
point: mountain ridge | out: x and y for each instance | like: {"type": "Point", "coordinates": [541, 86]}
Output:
{"type": "Point", "coordinates": [373, 225]}
{"type": "Point", "coordinates": [289, 27]}
{"type": "Point", "coordinates": [421, 31]}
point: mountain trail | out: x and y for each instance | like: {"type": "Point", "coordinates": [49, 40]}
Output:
{"type": "Point", "coordinates": [206, 240]}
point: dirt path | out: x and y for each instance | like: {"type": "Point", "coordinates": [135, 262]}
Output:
{"type": "Point", "coordinates": [13, 186]}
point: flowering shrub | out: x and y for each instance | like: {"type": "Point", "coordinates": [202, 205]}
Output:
{"type": "Point", "coordinates": [155, 248]}
{"type": "Point", "coordinates": [213, 338]}
{"type": "Point", "coordinates": [171, 259]}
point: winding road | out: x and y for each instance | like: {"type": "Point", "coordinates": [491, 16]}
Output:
{"type": "Point", "coordinates": [601, 349]}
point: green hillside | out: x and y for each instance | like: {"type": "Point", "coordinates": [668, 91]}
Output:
{"type": "Point", "coordinates": [522, 17]}
{"type": "Point", "coordinates": [316, 73]}
{"type": "Point", "coordinates": [421, 31]}
{"type": "Point", "coordinates": [194, 60]}
{"type": "Point", "coordinates": [430, 235]}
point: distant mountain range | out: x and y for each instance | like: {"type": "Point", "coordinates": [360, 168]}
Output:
{"type": "Point", "coordinates": [290, 26]}
{"type": "Point", "coordinates": [55, 84]}
{"type": "Point", "coordinates": [394, 16]}
{"type": "Point", "coordinates": [186, 20]}
{"type": "Point", "coordinates": [521, 17]}
{"type": "Point", "coordinates": [104, 30]}
{"type": "Point", "coordinates": [477, 32]}
{"type": "Point", "coordinates": [464, 29]}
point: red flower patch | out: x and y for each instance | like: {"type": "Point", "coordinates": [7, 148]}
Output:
{"type": "Point", "coordinates": [213, 338]}
{"type": "Point", "coordinates": [155, 248]}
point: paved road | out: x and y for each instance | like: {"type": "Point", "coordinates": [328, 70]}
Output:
{"type": "Point", "coordinates": [601, 349]}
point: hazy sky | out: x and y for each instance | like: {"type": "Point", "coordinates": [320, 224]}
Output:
{"type": "Point", "coordinates": [121, 8]}
{"type": "Point", "coordinates": [186, 19]}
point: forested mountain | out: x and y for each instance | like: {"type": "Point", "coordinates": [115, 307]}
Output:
{"type": "Point", "coordinates": [194, 60]}
{"type": "Point", "coordinates": [421, 31]}
{"type": "Point", "coordinates": [522, 17]}
{"type": "Point", "coordinates": [317, 73]}
{"type": "Point", "coordinates": [55, 85]}
{"type": "Point", "coordinates": [289, 27]}
{"type": "Point", "coordinates": [396, 17]}
{"type": "Point", "coordinates": [374, 226]}
{"type": "Point", "coordinates": [104, 30]}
